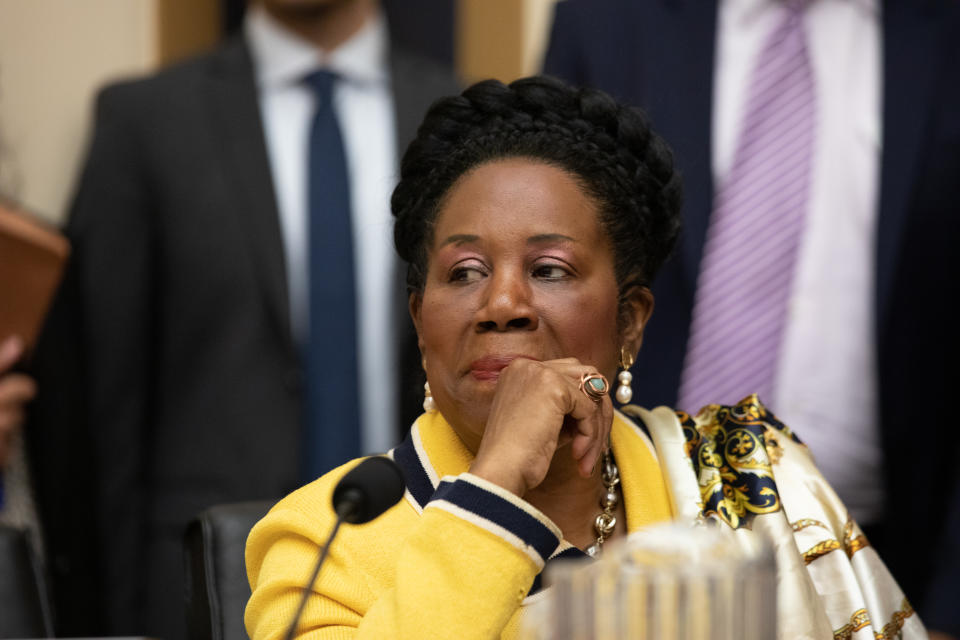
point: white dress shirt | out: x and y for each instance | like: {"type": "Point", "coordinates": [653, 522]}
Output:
{"type": "Point", "coordinates": [364, 106]}
{"type": "Point", "coordinates": [826, 388]}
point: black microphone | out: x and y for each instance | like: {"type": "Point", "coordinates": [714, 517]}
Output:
{"type": "Point", "coordinates": [369, 489]}
{"type": "Point", "coordinates": [372, 487]}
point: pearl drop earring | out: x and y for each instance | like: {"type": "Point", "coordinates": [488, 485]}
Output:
{"type": "Point", "coordinates": [624, 390]}
{"type": "Point", "coordinates": [428, 403]}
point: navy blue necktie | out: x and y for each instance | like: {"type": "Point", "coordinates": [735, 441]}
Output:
{"type": "Point", "coordinates": [332, 434]}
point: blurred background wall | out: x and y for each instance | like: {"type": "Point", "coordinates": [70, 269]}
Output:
{"type": "Point", "coordinates": [55, 54]}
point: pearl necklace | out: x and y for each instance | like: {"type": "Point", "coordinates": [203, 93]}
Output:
{"type": "Point", "coordinates": [606, 520]}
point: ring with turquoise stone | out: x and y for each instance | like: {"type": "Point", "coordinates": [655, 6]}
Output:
{"type": "Point", "coordinates": [594, 385]}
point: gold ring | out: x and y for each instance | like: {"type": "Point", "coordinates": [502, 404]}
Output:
{"type": "Point", "coordinates": [594, 385]}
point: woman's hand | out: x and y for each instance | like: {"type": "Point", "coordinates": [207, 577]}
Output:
{"type": "Point", "coordinates": [16, 390]}
{"type": "Point", "coordinates": [538, 408]}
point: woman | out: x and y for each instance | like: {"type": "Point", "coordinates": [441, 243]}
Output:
{"type": "Point", "coordinates": [532, 218]}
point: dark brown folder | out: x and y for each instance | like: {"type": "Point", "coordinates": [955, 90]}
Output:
{"type": "Point", "coordinates": [32, 257]}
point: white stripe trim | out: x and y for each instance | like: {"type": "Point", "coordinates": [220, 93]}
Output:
{"type": "Point", "coordinates": [424, 458]}
{"type": "Point", "coordinates": [413, 501]}
{"type": "Point", "coordinates": [544, 589]}
{"type": "Point", "coordinates": [512, 498]}
{"type": "Point", "coordinates": [492, 527]}
{"type": "Point", "coordinates": [536, 597]}
{"type": "Point", "coordinates": [564, 545]}
{"type": "Point", "coordinates": [406, 492]}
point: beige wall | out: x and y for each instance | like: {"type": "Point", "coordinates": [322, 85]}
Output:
{"type": "Point", "coordinates": [502, 39]}
{"type": "Point", "coordinates": [537, 22]}
{"type": "Point", "coordinates": [54, 55]}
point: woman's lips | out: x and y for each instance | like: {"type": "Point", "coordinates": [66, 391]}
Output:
{"type": "Point", "coordinates": [489, 367]}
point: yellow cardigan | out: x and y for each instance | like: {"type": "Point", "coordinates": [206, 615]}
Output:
{"type": "Point", "coordinates": [456, 558]}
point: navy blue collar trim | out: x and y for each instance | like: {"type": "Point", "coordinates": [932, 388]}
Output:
{"type": "Point", "coordinates": [414, 473]}
{"type": "Point", "coordinates": [570, 553]}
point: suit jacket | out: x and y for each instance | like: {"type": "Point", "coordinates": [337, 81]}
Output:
{"type": "Point", "coordinates": [658, 54]}
{"type": "Point", "coordinates": [172, 381]}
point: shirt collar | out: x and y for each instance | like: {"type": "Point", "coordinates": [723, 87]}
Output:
{"type": "Point", "coordinates": [282, 58]}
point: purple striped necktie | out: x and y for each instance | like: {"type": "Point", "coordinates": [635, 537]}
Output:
{"type": "Point", "coordinates": [750, 252]}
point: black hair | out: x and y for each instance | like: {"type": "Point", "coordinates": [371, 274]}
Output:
{"type": "Point", "coordinates": [607, 146]}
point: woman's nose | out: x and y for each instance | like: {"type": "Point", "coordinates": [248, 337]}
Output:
{"type": "Point", "coordinates": [507, 304]}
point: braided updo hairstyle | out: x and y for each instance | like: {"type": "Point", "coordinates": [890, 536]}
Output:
{"type": "Point", "coordinates": [608, 147]}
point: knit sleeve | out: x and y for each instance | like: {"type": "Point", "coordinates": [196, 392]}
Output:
{"type": "Point", "coordinates": [459, 569]}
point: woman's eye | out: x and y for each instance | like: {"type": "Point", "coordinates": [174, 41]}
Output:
{"type": "Point", "coordinates": [465, 274]}
{"type": "Point", "coordinates": [550, 272]}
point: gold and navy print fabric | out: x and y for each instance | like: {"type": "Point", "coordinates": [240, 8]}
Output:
{"type": "Point", "coordinates": [732, 449]}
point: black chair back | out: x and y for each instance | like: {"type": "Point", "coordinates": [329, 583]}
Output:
{"type": "Point", "coordinates": [24, 606]}
{"type": "Point", "coordinates": [217, 587]}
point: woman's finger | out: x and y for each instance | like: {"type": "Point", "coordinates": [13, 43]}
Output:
{"type": "Point", "coordinates": [16, 389]}
{"type": "Point", "coordinates": [10, 351]}
{"type": "Point", "coordinates": [600, 442]}
{"type": "Point", "coordinates": [583, 405]}
{"type": "Point", "coordinates": [10, 420]}
{"type": "Point", "coordinates": [592, 416]}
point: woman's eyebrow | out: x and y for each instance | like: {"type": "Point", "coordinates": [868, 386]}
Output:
{"type": "Point", "coordinates": [460, 238]}
{"type": "Point", "coordinates": [546, 238]}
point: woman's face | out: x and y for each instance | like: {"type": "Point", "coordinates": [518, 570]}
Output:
{"type": "Point", "coordinates": [519, 267]}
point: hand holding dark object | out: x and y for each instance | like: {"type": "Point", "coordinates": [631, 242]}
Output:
{"type": "Point", "coordinates": [16, 390]}
{"type": "Point", "coordinates": [539, 408]}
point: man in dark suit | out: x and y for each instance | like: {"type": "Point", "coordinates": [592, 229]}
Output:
{"type": "Point", "coordinates": [661, 55]}
{"type": "Point", "coordinates": [171, 366]}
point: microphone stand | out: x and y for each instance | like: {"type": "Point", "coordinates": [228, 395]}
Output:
{"type": "Point", "coordinates": [346, 508]}
{"type": "Point", "coordinates": [368, 490]}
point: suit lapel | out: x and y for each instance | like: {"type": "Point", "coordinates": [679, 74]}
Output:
{"type": "Point", "coordinates": [910, 44]}
{"type": "Point", "coordinates": [679, 96]}
{"type": "Point", "coordinates": [415, 83]}
{"type": "Point", "coordinates": [404, 100]}
{"type": "Point", "coordinates": [235, 119]}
